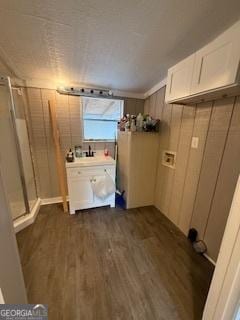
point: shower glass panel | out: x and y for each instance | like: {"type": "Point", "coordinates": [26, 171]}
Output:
{"type": "Point", "coordinates": [22, 132]}
{"type": "Point", "coordinates": [8, 156]}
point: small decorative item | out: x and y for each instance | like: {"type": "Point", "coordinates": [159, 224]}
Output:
{"type": "Point", "coordinates": [70, 156]}
{"type": "Point", "coordinates": [78, 151]}
{"type": "Point", "coordinates": [139, 121]}
{"type": "Point", "coordinates": [133, 123]}
{"type": "Point", "coordinates": [106, 152]}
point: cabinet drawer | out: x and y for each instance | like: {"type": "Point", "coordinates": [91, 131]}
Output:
{"type": "Point", "coordinates": [90, 171]}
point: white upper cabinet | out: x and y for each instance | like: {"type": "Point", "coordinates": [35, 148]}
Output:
{"type": "Point", "coordinates": [179, 79]}
{"type": "Point", "coordinates": [210, 73]}
{"type": "Point", "coordinates": [216, 65]}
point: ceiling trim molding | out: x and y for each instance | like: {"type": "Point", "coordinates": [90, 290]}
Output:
{"type": "Point", "coordinates": [119, 93]}
{"type": "Point", "coordinates": [155, 88]}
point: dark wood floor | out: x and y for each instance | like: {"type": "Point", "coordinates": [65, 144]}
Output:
{"type": "Point", "coordinates": [112, 264]}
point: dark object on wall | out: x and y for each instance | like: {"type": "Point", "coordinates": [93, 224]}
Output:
{"type": "Point", "coordinates": [192, 235]}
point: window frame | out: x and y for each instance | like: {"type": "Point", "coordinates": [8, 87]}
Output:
{"type": "Point", "coordinates": [101, 140]}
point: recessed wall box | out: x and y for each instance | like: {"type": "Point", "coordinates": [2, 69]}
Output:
{"type": "Point", "coordinates": [169, 158]}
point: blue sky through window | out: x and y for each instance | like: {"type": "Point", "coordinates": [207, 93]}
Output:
{"type": "Point", "coordinates": [100, 117]}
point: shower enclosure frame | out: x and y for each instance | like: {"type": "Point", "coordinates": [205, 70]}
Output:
{"type": "Point", "coordinates": [4, 80]}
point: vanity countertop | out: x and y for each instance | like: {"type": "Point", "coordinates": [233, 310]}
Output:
{"type": "Point", "coordinates": [91, 161]}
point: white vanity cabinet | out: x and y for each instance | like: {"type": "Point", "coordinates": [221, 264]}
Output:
{"type": "Point", "coordinates": [80, 175]}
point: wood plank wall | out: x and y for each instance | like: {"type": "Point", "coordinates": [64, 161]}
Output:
{"type": "Point", "coordinates": [69, 115]}
{"type": "Point", "coordinates": [199, 191]}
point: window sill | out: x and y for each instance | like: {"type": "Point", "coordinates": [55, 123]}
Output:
{"type": "Point", "coordinates": [96, 141]}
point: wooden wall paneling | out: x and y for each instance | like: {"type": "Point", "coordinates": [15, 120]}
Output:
{"type": "Point", "coordinates": [163, 145]}
{"type": "Point", "coordinates": [63, 119]}
{"type": "Point", "coordinates": [59, 159]}
{"type": "Point", "coordinates": [130, 106]}
{"type": "Point", "coordinates": [46, 95]}
{"type": "Point", "coordinates": [215, 144]}
{"type": "Point", "coordinates": [169, 173]}
{"type": "Point", "coordinates": [75, 114]}
{"type": "Point", "coordinates": [152, 105]}
{"type": "Point", "coordinates": [159, 106]}
{"type": "Point", "coordinates": [139, 106]}
{"type": "Point", "coordinates": [201, 124]}
{"type": "Point", "coordinates": [182, 162]}
{"type": "Point", "coordinates": [228, 176]}
{"type": "Point", "coordinates": [175, 126]}
{"type": "Point", "coordinates": [147, 106]}
{"type": "Point", "coordinates": [160, 103]}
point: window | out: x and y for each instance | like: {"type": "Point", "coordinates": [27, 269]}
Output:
{"type": "Point", "coordinates": [100, 118]}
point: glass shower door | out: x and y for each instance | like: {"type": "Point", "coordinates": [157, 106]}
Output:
{"type": "Point", "coordinates": [9, 164]}
{"type": "Point", "coordinates": [22, 132]}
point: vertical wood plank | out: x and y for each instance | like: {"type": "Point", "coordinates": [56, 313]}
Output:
{"type": "Point", "coordinates": [139, 106]}
{"type": "Point", "coordinates": [46, 95]}
{"type": "Point", "coordinates": [75, 116]}
{"type": "Point", "coordinates": [200, 130]}
{"type": "Point", "coordinates": [130, 106]}
{"type": "Point", "coordinates": [226, 183]}
{"type": "Point", "coordinates": [63, 120]}
{"type": "Point", "coordinates": [147, 106]}
{"type": "Point", "coordinates": [152, 105]}
{"type": "Point", "coordinates": [160, 103]}
{"type": "Point", "coordinates": [215, 144]}
{"type": "Point", "coordinates": [182, 162]}
{"type": "Point", "coordinates": [169, 173]}
{"type": "Point", "coordinates": [59, 159]}
{"type": "Point", "coordinates": [164, 141]}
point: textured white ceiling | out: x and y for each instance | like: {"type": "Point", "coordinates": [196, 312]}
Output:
{"type": "Point", "coordinates": [125, 44]}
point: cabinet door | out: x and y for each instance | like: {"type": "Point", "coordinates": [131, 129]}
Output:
{"type": "Point", "coordinates": [98, 201]}
{"type": "Point", "coordinates": [80, 192]}
{"type": "Point", "coordinates": [179, 79]}
{"type": "Point", "coordinates": [217, 63]}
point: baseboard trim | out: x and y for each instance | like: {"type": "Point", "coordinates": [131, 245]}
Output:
{"type": "Point", "coordinates": [51, 200]}
{"type": "Point", "coordinates": [209, 259]}
{"type": "Point", "coordinates": [28, 218]}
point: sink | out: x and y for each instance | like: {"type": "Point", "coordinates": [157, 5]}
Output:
{"type": "Point", "coordinates": [91, 161]}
